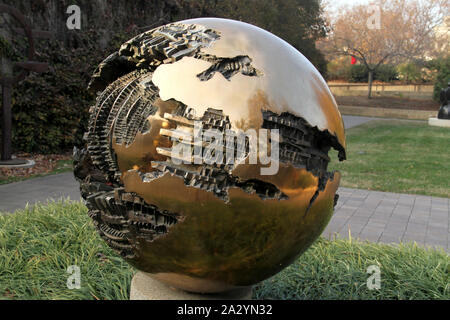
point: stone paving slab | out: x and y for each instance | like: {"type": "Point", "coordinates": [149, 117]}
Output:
{"type": "Point", "coordinates": [391, 218]}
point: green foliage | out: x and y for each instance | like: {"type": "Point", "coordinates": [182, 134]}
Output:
{"type": "Point", "coordinates": [385, 73]}
{"type": "Point", "coordinates": [358, 73]}
{"type": "Point", "coordinates": [39, 243]}
{"type": "Point", "coordinates": [339, 69]}
{"type": "Point", "coordinates": [442, 67]}
{"type": "Point", "coordinates": [6, 49]}
{"type": "Point", "coordinates": [410, 72]}
{"type": "Point", "coordinates": [51, 109]}
{"type": "Point", "coordinates": [337, 270]}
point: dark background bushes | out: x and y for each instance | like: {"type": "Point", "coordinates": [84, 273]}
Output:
{"type": "Point", "coordinates": [50, 110]}
{"type": "Point", "coordinates": [385, 73]}
{"type": "Point", "coordinates": [442, 68]}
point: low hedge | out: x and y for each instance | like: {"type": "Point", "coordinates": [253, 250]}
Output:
{"type": "Point", "coordinates": [50, 109]}
{"type": "Point", "coordinates": [385, 73]}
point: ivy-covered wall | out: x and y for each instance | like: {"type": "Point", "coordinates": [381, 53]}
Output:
{"type": "Point", "coordinates": [50, 109]}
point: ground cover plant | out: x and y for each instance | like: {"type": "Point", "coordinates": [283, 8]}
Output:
{"type": "Point", "coordinates": [39, 243]}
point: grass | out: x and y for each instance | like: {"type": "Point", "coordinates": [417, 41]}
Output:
{"type": "Point", "coordinates": [338, 270]}
{"type": "Point", "coordinates": [38, 244]}
{"type": "Point", "coordinates": [397, 156]}
{"type": "Point", "coordinates": [61, 166]}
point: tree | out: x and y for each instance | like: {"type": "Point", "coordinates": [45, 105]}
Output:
{"type": "Point", "coordinates": [385, 31]}
{"type": "Point", "coordinates": [299, 22]}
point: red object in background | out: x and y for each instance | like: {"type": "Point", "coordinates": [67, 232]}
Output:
{"type": "Point", "coordinates": [353, 60]}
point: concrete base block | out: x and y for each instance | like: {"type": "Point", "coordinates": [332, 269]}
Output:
{"type": "Point", "coordinates": [144, 287]}
{"type": "Point", "coordinates": [439, 122]}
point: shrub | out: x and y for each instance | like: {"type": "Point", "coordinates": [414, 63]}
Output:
{"type": "Point", "coordinates": [339, 69]}
{"type": "Point", "coordinates": [410, 72]}
{"type": "Point", "coordinates": [385, 73]}
{"type": "Point", "coordinates": [442, 67]}
{"type": "Point", "coordinates": [358, 73]}
{"type": "Point", "coordinates": [50, 109]}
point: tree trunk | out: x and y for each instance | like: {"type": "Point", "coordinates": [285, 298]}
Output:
{"type": "Point", "coordinates": [369, 95]}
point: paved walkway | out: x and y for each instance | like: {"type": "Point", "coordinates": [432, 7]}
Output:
{"type": "Point", "coordinates": [391, 217]}
{"type": "Point", "coordinates": [353, 121]}
{"type": "Point", "coordinates": [16, 195]}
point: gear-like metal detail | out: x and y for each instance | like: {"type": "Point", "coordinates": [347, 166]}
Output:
{"type": "Point", "coordinates": [121, 218]}
{"type": "Point", "coordinates": [147, 200]}
{"type": "Point", "coordinates": [167, 44]}
{"type": "Point", "coordinates": [121, 109]}
{"type": "Point", "coordinates": [150, 49]}
{"type": "Point", "coordinates": [228, 67]}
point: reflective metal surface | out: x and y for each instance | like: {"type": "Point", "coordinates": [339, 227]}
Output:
{"type": "Point", "coordinates": [290, 82]}
{"type": "Point", "coordinates": [199, 226]}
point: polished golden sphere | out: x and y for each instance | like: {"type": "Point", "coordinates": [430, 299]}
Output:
{"type": "Point", "coordinates": [207, 154]}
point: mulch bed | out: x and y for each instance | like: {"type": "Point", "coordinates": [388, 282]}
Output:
{"type": "Point", "coordinates": [387, 102]}
{"type": "Point", "coordinates": [44, 164]}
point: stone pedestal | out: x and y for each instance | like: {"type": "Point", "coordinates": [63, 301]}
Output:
{"type": "Point", "coordinates": [439, 122]}
{"type": "Point", "coordinates": [144, 287]}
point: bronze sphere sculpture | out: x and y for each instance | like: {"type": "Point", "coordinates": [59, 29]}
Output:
{"type": "Point", "coordinates": [188, 219]}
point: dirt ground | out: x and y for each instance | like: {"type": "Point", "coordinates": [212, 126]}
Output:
{"type": "Point", "coordinates": [44, 164]}
{"type": "Point", "coordinates": [387, 102]}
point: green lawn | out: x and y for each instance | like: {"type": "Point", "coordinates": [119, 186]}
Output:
{"type": "Point", "coordinates": [397, 156]}
{"type": "Point", "coordinates": [38, 244]}
{"type": "Point", "coordinates": [61, 166]}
